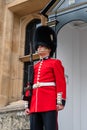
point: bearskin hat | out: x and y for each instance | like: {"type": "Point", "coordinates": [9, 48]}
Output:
{"type": "Point", "coordinates": [45, 36]}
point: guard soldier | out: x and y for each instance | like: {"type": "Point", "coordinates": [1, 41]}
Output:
{"type": "Point", "coordinates": [49, 86]}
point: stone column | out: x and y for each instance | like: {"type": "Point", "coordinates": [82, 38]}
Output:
{"type": "Point", "coordinates": [16, 77]}
{"type": "Point", "coordinates": [1, 32]}
{"type": "Point", "coordinates": [6, 24]}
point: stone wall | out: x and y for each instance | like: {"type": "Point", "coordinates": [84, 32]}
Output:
{"type": "Point", "coordinates": [12, 117]}
{"type": "Point", "coordinates": [14, 17]}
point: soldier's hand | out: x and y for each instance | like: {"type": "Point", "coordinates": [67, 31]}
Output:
{"type": "Point", "coordinates": [27, 111]}
{"type": "Point", "coordinates": [59, 107]}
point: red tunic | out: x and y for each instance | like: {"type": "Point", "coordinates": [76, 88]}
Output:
{"type": "Point", "coordinates": [44, 97]}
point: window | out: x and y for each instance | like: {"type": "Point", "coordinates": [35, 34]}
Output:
{"type": "Point", "coordinates": [30, 28]}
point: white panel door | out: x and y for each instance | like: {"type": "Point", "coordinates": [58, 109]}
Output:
{"type": "Point", "coordinates": [72, 50]}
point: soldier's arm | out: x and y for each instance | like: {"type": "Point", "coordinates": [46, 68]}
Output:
{"type": "Point", "coordinates": [60, 84]}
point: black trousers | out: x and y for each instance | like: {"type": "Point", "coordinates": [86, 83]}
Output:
{"type": "Point", "coordinates": [43, 120]}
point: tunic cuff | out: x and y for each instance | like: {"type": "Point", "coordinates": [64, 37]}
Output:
{"type": "Point", "coordinates": [60, 100]}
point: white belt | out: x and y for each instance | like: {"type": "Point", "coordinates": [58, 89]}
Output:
{"type": "Point", "coordinates": [43, 84]}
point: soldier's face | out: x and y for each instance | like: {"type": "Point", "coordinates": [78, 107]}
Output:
{"type": "Point", "coordinates": [43, 50]}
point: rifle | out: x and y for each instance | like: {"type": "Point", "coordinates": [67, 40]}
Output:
{"type": "Point", "coordinates": [30, 79]}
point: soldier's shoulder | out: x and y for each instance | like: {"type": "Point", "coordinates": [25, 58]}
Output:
{"type": "Point", "coordinates": [55, 60]}
{"type": "Point", "coordinates": [36, 63]}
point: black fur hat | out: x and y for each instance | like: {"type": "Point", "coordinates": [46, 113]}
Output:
{"type": "Point", "coordinates": [45, 35]}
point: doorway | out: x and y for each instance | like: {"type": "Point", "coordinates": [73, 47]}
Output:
{"type": "Point", "coordinates": [72, 50]}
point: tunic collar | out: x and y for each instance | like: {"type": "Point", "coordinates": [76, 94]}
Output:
{"type": "Point", "coordinates": [45, 58]}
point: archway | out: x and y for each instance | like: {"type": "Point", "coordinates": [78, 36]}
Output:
{"type": "Point", "coordinates": [72, 50]}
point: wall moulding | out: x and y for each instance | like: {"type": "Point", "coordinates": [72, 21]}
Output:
{"type": "Point", "coordinates": [24, 7]}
